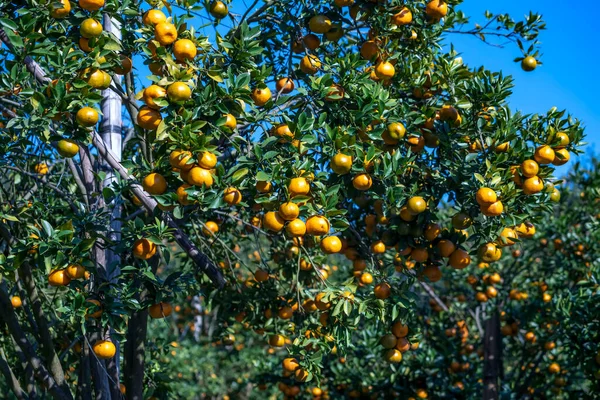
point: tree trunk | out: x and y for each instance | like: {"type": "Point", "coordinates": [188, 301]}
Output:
{"type": "Point", "coordinates": [492, 364]}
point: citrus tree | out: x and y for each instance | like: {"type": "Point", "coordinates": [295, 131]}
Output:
{"type": "Point", "coordinates": [301, 171]}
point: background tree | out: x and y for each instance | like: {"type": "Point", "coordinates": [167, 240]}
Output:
{"type": "Point", "coordinates": [244, 162]}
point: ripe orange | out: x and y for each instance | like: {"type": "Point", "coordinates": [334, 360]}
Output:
{"type": "Point", "coordinates": [289, 211]}
{"type": "Point", "coordinates": [529, 168]}
{"type": "Point", "coordinates": [84, 45]}
{"type": "Point", "coordinates": [153, 17]}
{"type": "Point", "coordinates": [298, 187]}
{"type": "Point", "coordinates": [290, 364]}
{"type": "Point", "coordinates": [396, 130]}
{"type": "Point", "coordinates": [182, 195]}
{"type": "Point", "coordinates": [273, 222]}
{"type": "Point", "coordinates": [104, 349]}
{"type": "Point", "coordinates": [533, 185]}
{"type": "Point", "coordinates": [459, 259]}
{"type": "Point", "coordinates": [125, 67]}
{"type": "Point", "coordinates": [528, 64]}
{"type": "Point", "coordinates": [383, 291]}
{"type": "Point", "coordinates": [179, 159]}
{"type": "Point", "coordinates": [67, 148]}
{"type": "Point", "coordinates": [97, 79]}
{"type": "Point", "coordinates": [544, 155]}
{"type": "Point", "coordinates": [335, 33]}
{"type": "Point", "coordinates": [492, 210]}
{"type": "Point", "coordinates": [91, 5]}
{"type": "Point", "coordinates": [378, 247]}
{"type": "Point", "coordinates": [218, 9]}
{"type": "Point", "coordinates": [509, 235]}
{"type": "Point", "coordinates": [489, 252]}
{"type": "Point", "coordinates": [148, 118]}
{"type": "Point", "coordinates": [153, 92]}
{"type": "Point", "coordinates": [404, 17]}
{"type": "Point", "coordinates": [485, 196]}
{"type": "Point", "coordinates": [165, 33]}
{"type": "Point", "coordinates": [276, 340]}
{"type": "Point", "coordinates": [90, 28]}
{"type": "Point", "coordinates": [385, 70]}
{"type": "Point", "coordinates": [369, 50]}
{"type": "Point", "coordinates": [433, 273]}
{"type": "Point", "coordinates": [261, 275]}
{"type": "Point", "coordinates": [58, 277]}
{"type": "Point", "coordinates": [310, 64]}
{"type": "Point", "coordinates": [16, 301]}
{"type": "Point", "coordinates": [143, 249]}
{"type": "Point", "coordinates": [561, 157]}
{"type": "Point", "coordinates": [311, 41]}
{"type": "Point", "coordinates": [526, 230]}
{"type": "Point", "coordinates": [179, 92]}
{"type": "Point", "coordinates": [436, 9]}
{"type": "Point", "coordinates": [283, 130]}
{"type": "Point", "coordinates": [419, 254]}
{"type": "Point", "coordinates": [184, 50]}
{"type": "Point", "coordinates": [319, 24]}
{"type": "Point", "coordinates": [362, 182]}
{"type": "Point", "coordinates": [416, 205]}
{"type": "Point", "coordinates": [154, 183]}
{"type": "Point", "coordinates": [60, 11]}
{"type": "Point", "coordinates": [284, 85]}
{"type": "Point", "coordinates": [232, 196]}
{"type": "Point", "coordinates": [207, 160]}
{"type": "Point", "coordinates": [263, 186]}
{"type": "Point", "coordinates": [261, 96]}
{"type": "Point", "coordinates": [198, 176]}
{"type": "Point", "coordinates": [301, 375]}
{"type": "Point", "coordinates": [160, 310]}
{"type": "Point", "coordinates": [317, 225]}
{"type": "Point", "coordinates": [446, 247]}
{"type": "Point", "coordinates": [402, 345]}
{"type": "Point", "coordinates": [393, 356]}
{"type": "Point", "coordinates": [449, 113]}
{"type": "Point", "coordinates": [432, 231]}
{"type": "Point", "coordinates": [366, 278]}
{"type": "Point", "coordinates": [87, 117]}
{"type": "Point", "coordinates": [210, 228]}
{"type": "Point", "coordinates": [296, 228]}
{"type": "Point", "coordinates": [341, 164]}
{"type": "Point", "coordinates": [399, 330]}
{"type": "Point", "coordinates": [75, 271]}
{"type": "Point", "coordinates": [554, 368]}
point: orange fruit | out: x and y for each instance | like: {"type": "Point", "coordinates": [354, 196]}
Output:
{"type": "Point", "coordinates": [125, 67]}
{"type": "Point", "coordinates": [296, 228]}
{"type": "Point", "coordinates": [382, 291]}
{"type": "Point", "coordinates": [402, 345]}
{"type": "Point", "coordinates": [232, 196]}
{"type": "Point", "coordinates": [87, 117]}
{"type": "Point", "coordinates": [298, 187]}
{"type": "Point", "coordinates": [544, 155]}
{"type": "Point", "coordinates": [207, 160]}
{"type": "Point", "coordinates": [16, 301]}
{"type": "Point", "coordinates": [153, 92]}
{"type": "Point", "coordinates": [311, 41]}
{"type": "Point", "coordinates": [385, 70]}
{"type": "Point", "coordinates": [366, 278]}
{"type": "Point", "coordinates": [182, 195]}
{"type": "Point", "coordinates": [446, 247]}
{"type": "Point", "coordinates": [489, 252]}
{"type": "Point", "coordinates": [289, 211]}
{"type": "Point", "coordinates": [554, 368]}
{"type": "Point", "coordinates": [230, 122]}
{"type": "Point", "coordinates": [154, 17]}
{"type": "Point", "coordinates": [160, 310]}
{"type": "Point", "coordinates": [284, 85]}
{"type": "Point", "coordinates": [90, 28]}
{"type": "Point", "coordinates": [492, 210]}
{"type": "Point", "coordinates": [184, 50]}
{"type": "Point", "coordinates": [529, 168]}
{"type": "Point", "coordinates": [199, 176]}
{"type": "Point", "coordinates": [509, 235]}
{"type": "Point", "coordinates": [388, 341]}
{"type": "Point", "coordinates": [210, 228]}
{"type": "Point", "coordinates": [561, 157]}
{"type": "Point", "coordinates": [276, 340]}
{"type": "Point", "coordinates": [154, 183]}
{"type": "Point", "coordinates": [404, 17]}
{"type": "Point", "coordinates": [75, 271]}
{"type": "Point", "coordinates": [561, 139]}
{"type": "Point", "coordinates": [179, 159]}
{"type": "Point", "coordinates": [317, 225]}
{"type": "Point", "coordinates": [98, 79]}
{"type": "Point", "coordinates": [341, 164]}
{"type": "Point", "coordinates": [84, 45]}
{"type": "Point", "coordinates": [319, 24]}
{"type": "Point", "coordinates": [433, 273]}
{"type": "Point", "coordinates": [533, 185]}
{"type": "Point", "coordinates": [104, 349]}
{"type": "Point", "coordinates": [419, 254]}
{"type": "Point", "coordinates": [165, 33]}
{"type": "Point", "coordinates": [290, 364]}
{"type": "Point", "coordinates": [143, 249]}
{"type": "Point", "coordinates": [369, 50]}
{"type": "Point", "coordinates": [528, 64]}
{"type": "Point", "coordinates": [449, 113]}
{"type": "Point", "coordinates": [58, 277]}
{"type": "Point", "coordinates": [263, 186]}
{"type": "Point", "coordinates": [399, 329]}
{"type": "Point", "coordinates": [485, 196]}
{"type": "Point", "coordinates": [67, 148]}
{"type": "Point", "coordinates": [218, 9]}
{"type": "Point", "coordinates": [179, 92]}
{"type": "Point", "coordinates": [91, 5]}
{"type": "Point", "coordinates": [272, 221]}
{"type": "Point", "coordinates": [416, 205]}
{"type": "Point", "coordinates": [393, 356]}
{"type": "Point", "coordinates": [459, 259]}
{"type": "Point", "coordinates": [148, 118]}
{"type": "Point", "coordinates": [436, 9]}
{"type": "Point", "coordinates": [60, 11]}
{"type": "Point", "coordinates": [331, 245]}
{"type": "Point", "coordinates": [261, 96]}
{"type": "Point", "coordinates": [461, 221]}
{"type": "Point", "coordinates": [283, 130]}
{"type": "Point", "coordinates": [396, 130]}
{"type": "Point", "coordinates": [362, 182]}
{"type": "Point", "coordinates": [432, 231]}
{"type": "Point", "coordinates": [41, 168]}
{"type": "Point", "coordinates": [310, 64]}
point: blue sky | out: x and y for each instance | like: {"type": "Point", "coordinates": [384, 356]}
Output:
{"type": "Point", "coordinates": [566, 79]}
